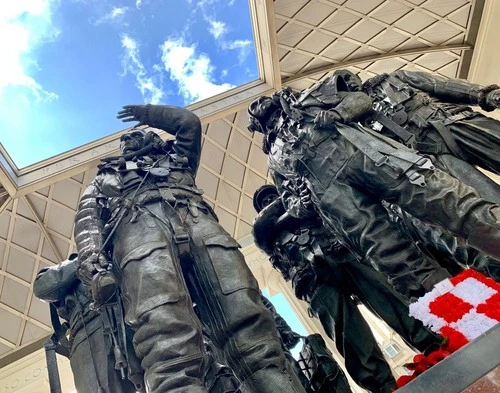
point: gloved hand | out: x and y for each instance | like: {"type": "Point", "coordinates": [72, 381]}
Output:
{"type": "Point", "coordinates": [89, 263]}
{"type": "Point", "coordinates": [327, 119]}
{"type": "Point", "coordinates": [305, 195]}
{"type": "Point", "coordinates": [493, 98]}
{"type": "Point", "coordinates": [137, 113]}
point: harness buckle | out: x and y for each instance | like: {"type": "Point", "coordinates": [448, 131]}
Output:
{"type": "Point", "coordinates": [182, 237]}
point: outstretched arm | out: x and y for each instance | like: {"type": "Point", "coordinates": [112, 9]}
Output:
{"type": "Point", "coordinates": [452, 90]}
{"type": "Point", "coordinates": [182, 123]}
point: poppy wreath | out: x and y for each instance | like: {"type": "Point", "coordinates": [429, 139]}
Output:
{"type": "Point", "coordinates": [463, 309]}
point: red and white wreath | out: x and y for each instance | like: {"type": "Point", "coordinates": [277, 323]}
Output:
{"type": "Point", "coordinates": [461, 308]}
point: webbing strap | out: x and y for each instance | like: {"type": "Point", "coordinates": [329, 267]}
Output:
{"type": "Point", "coordinates": [407, 137]}
{"type": "Point", "coordinates": [447, 137]}
{"type": "Point", "coordinates": [59, 336]}
{"type": "Point", "coordinates": [174, 222]}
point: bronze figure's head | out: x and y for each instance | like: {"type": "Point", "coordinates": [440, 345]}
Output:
{"type": "Point", "coordinates": [352, 81]}
{"type": "Point", "coordinates": [133, 140]}
{"type": "Point", "coordinates": [264, 196]}
{"type": "Point", "coordinates": [259, 112]}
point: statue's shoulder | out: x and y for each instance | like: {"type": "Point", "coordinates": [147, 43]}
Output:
{"type": "Point", "coordinates": [111, 164]}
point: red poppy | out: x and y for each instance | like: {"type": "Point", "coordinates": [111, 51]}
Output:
{"type": "Point", "coordinates": [404, 379]}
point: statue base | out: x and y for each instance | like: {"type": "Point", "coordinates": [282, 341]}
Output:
{"type": "Point", "coordinates": [475, 368]}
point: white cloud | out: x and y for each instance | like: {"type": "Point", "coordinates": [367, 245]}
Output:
{"type": "Point", "coordinates": [205, 3]}
{"type": "Point", "coordinates": [138, 4]}
{"type": "Point", "coordinates": [132, 64]}
{"type": "Point", "coordinates": [193, 72]}
{"type": "Point", "coordinates": [118, 12]}
{"type": "Point", "coordinates": [24, 26]}
{"type": "Point", "coordinates": [243, 47]}
{"type": "Point", "coordinates": [217, 28]}
{"type": "Point", "coordinates": [116, 15]}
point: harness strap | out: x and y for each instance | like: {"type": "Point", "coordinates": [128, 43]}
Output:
{"type": "Point", "coordinates": [173, 221]}
{"type": "Point", "coordinates": [447, 137]}
{"type": "Point", "coordinates": [407, 137]}
{"type": "Point", "coordinates": [434, 148]}
{"type": "Point", "coordinates": [392, 157]}
{"type": "Point", "coordinates": [59, 337]}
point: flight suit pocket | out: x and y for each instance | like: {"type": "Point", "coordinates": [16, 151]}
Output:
{"type": "Point", "coordinates": [228, 263]}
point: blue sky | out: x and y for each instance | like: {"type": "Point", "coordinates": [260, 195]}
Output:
{"type": "Point", "coordinates": [69, 65]}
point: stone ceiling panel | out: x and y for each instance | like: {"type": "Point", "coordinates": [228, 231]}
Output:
{"type": "Point", "coordinates": [62, 244]}
{"type": "Point", "coordinates": [226, 219]}
{"type": "Point", "coordinates": [293, 62]}
{"type": "Point", "coordinates": [233, 171]}
{"type": "Point", "coordinates": [444, 8]}
{"type": "Point", "coordinates": [24, 211]}
{"type": "Point", "coordinates": [289, 8]}
{"type": "Point", "coordinates": [292, 34]}
{"type": "Point", "coordinates": [414, 22]}
{"type": "Point", "coordinates": [315, 42]}
{"type": "Point", "coordinates": [359, 29]}
{"type": "Point", "coordinates": [38, 203]}
{"type": "Point", "coordinates": [253, 181]}
{"type": "Point", "coordinates": [208, 182]}
{"type": "Point", "coordinates": [26, 234]}
{"type": "Point", "coordinates": [228, 196]}
{"type": "Point", "coordinates": [388, 40]}
{"type": "Point", "coordinates": [390, 12]}
{"type": "Point", "coordinates": [339, 22]}
{"type": "Point", "coordinates": [60, 220]}
{"type": "Point", "coordinates": [14, 294]}
{"type": "Point", "coordinates": [441, 33]}
{"type": "Point", "coordinates": [21, 265]}
{"type": "Point", "coordinates": [339, 50]}
{"type": "Point", "coordinates": [48, 252]}
{"type": "Point", "coordinates": [239, 145]}
{"type": "Point", "coordinates": [11, 323]}
{"type": "Point", "coordinates": [218, 131]}
{"type": "Point", "coordinates": [212, 156]}
{"type": "Point", "coordinates": [32, 333]}
{"type": "Point", "coordinates": [314, 13]}
{"type": "Point", "coordinates": [4, 224]}
{"type": "Point", "coordinates": [460, 17]}
{"type": "Point", "coordinates": [362, 6]}
{"type": "Point", "coordinates": [67, 193]}
{"type": "Point", "coordinates": [3, 257]}
{"type": "Point", "coordinates": [247, 209]}
{"type": "Point", "coordinates": [78, 177]}
{"type": "Point", "coordinates": [450, 70]}
{"type": "Point", "coordinates": [43, 191]}
{"type": "Point", "coordinates": [244, 230]}
{"type": "Point", "coordinates": [39, 311]}
{"type": "Point", "coordinates": [241, 122]}
{"type": "Point", "coordinates": [258, 160]}
{"type": "Point", "coordinates": [365, 31]}
{"type": "Point", "coordinates": [435, 61]}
